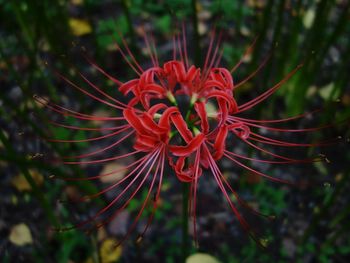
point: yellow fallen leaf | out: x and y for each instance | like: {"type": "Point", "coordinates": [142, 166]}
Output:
{"type": "Point", "coordinates": [2, 163]}
{"type": "Point", "coordinates": [109, 253]}
{"type": "Point", "coordinates": [202, 28]}
{"type": "Point", "coordinates": [20, 235]}
{"type": "Point", "coordinates": [110, 168]}
{"type": "Point", "coordinates": [309, 18]}
{"type": "Point", "coordinates": [77, 2]}
{"type": "Point", "coordinates": [100, 113]}
{"type": "Point", "coordinates": [245, 31]}
{"type": "Point", "coordinates": [101, 234]}
{"type": "Point", "coordinates": [256, 4]}
{"type": "Point", "coordinates": [21, 183]}
{"type": "Point", "coordinates": [326, 90]}
{"type": "Point", "coordinates": [201, 258]}
{"type": "Point", "coordinates": [345, 100]}
{"type": "Point", "coordinates": [79, 27]}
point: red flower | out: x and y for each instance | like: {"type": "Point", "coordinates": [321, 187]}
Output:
{"type": "Point", "coordinates": [190, 139]}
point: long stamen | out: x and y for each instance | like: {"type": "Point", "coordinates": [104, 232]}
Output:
{"type": "Point", "coordinates": [266, 161]}
{"type": "Point", "coordinates": [72, 127]}
{"type": "Point", "coordinates": [240, 200]}
{"type": "Point", "coordinates": [92, 63]}
{"type": "Point", "coordinates": [205, 69]}
{"type": "Point", "coordinates": [278, 120]}
{"type": "Point", "coordinates": [62, 110]}
{"type": "Point", "coordinates": [267, 93]}
{"type": "Point", "coordinates": [142, 166]}
{"type": "Point", "coordinates": [103, 210]}
{"type": "Point", "coordinates": [180, 48]}
{"type": "Point", "coordinates": [143, 205]}
{"type": "Point", "coordinates": [153, 45]}
{"type": "Point", "coordinates": [102, 149]}
{"type": "Point", "coordinates": [122, 105]}
{"type": "Point", "coordinates": [86, 140]}
{"type": "Point", "coordinates": [213, 58]}
{"type": "Point", "coordinates": [238, 215]}
{"type": "Point", "coordinates": [196, 172]}
{"type": "Point", "coordinates": [137, 71]}
{"type": "Point", "coordinates": [104, 160]}
{"type": "Point", "coordinates": [174, 48]}
{"type": "Point", "coordinates": [88, 93]}
{"type": "Point", "coordinates": [155, 201]}
{"type": "Point", "coordinates": [282, 129]}
{"type": "Point", "coordinates": [125, 44]}
{"type": "Point", "coordinates": [267, 140]}
{"type": "Point", "coordinates": [254, 72]}
{"type": "Point", "coordinates": [246, 53]}
{"type": "Point", "coordinates": [273, 154]}
{"type": "Point", "coordinates": [154, 62]}
{"type": "Point", "coordinates": [184, 42]}
{"type": "Point", "coordinates": [273, 179]}
{"type": "Point", "coordinates": [102, 175]}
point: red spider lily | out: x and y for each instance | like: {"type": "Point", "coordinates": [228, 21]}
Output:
{"type": "Point", "coordinates": [191, 143]}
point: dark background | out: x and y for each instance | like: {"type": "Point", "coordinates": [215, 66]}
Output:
{"type": "Point", "coordinates": [38, 38]}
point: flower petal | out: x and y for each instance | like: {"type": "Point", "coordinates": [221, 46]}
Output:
{"type": "Point", "coordinates": [128, 86]}
{"type": "Point", "coordinates": [199, 107]}
{"type": "Point", "coordinates": [192, 146]}
{"type": "Point", "coordinates": [220, 142]}
{"type": "Point", "coordinates": [181, 126]}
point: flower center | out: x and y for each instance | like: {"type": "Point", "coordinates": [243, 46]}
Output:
{"type": "Point", "coordinates": [184, 110]}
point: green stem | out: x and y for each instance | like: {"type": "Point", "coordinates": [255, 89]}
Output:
{"type": "Point", "coordinates": [185, 237]}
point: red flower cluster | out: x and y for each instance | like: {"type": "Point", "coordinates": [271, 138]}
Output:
{"type": "Point", "coordinates": [190, 138]}
{"type": "Point", "coordinates": [156, 125]}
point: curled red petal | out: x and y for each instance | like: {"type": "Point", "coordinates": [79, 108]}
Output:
{"type": "Point", "coordinates": [214, 83]}
{"type": "Point", "coordinates": [146, 95]}
{"type": "Point", "coordinates": [145, 143]}
{"type": "Point", "coordinates": [134, 120]}
{"type": "Point", "coordinates": [149, 124]}
{"type": "Point", "coordinates": [220, 142]}
{"type": "Point", "coordinates": [231, 102]}
{"type": "Point", "coordinates": [128, 86]}
{"type": "Point", "coordinates": [224, 76]}
{"type": "Point", "coordinates": [165, 119]}
{"type": "Point", "coordinates": [199, 107]}
{"type": "Point", "coordinates": [192, 146]}
{"type": "Point", "coordinates": [153, 88]}
{"type": "Point", "coordinates": [180, 71]}
{"type": "Point", "coordinates": [133, 102]}
{"type": "Point", "coordinates": [192, 73]}
{"type": "Point", "coordinates": [157, 107]}
{"type": "Point", "coordinates": [185, 175]}
{"type": "Point", "coordinates": [240, 129]}
{"type": "Point", "coordinates": [148, 76]}
{"type": "Point", "coordinates": [181, 126]}
{"type": "Point", "coordinates": [204, 159]}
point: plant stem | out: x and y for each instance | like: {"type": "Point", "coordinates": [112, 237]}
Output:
{"type": "Point", "coordinates": [185, 237]}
